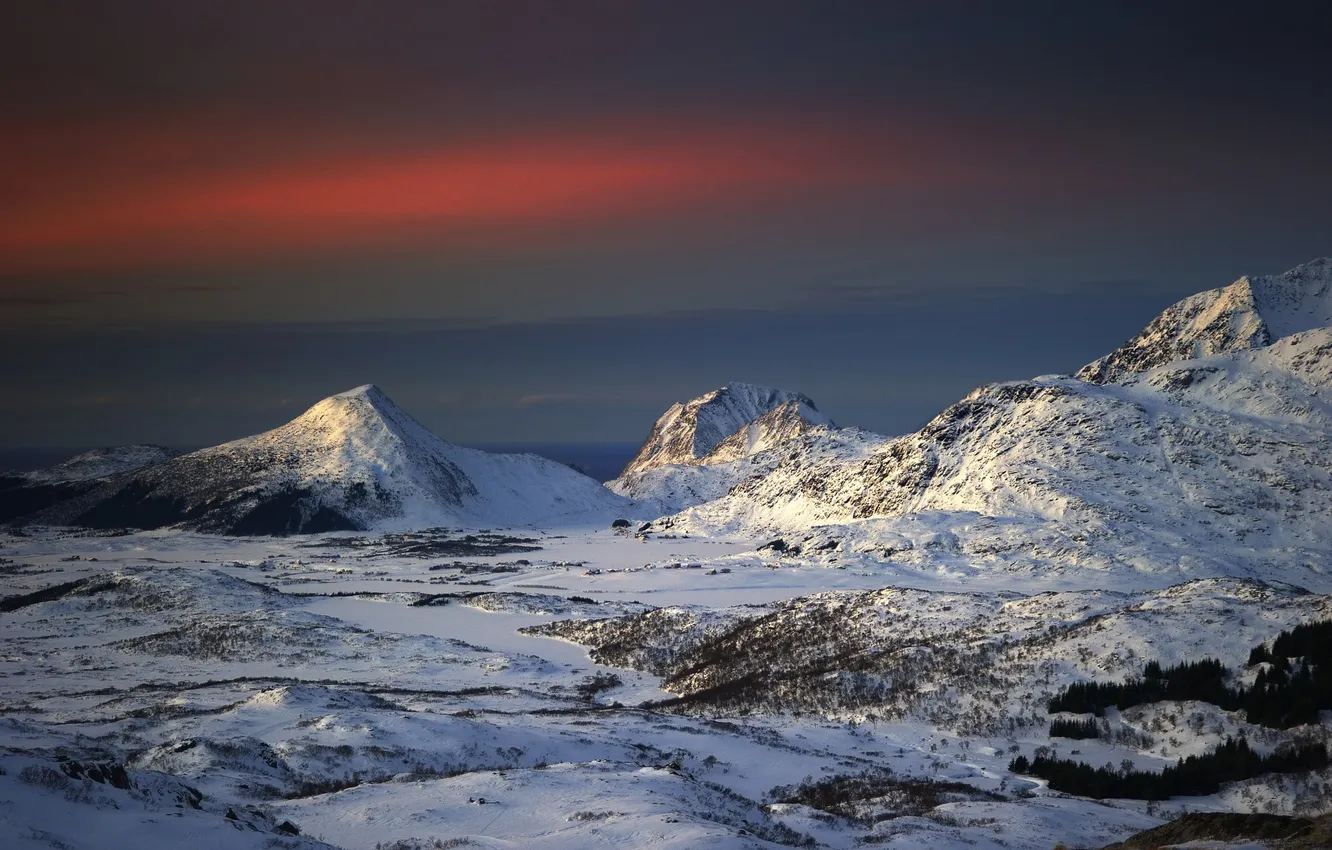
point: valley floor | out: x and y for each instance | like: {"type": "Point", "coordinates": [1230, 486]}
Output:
{"type": "Point", "coordinates": [172, 689]}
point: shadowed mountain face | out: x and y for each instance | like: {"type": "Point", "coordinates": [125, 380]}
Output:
{"type": "Point", "coordinates": [353, 461]}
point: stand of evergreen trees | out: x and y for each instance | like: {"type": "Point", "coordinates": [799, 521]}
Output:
{"type": "Point", "coordinates": [1076, 729]}
{"type": "Point", "coordinates": [1289, 694]}
{"type": "Point", "coordinates": [1199, 680]}
{"type": "Point", "coordinates": [1231, 761]}
{"type": "Point", "coordinates": [1291, 691]}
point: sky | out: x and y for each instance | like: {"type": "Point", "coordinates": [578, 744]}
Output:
{"type": "Point", "coordinates": [547, 221]}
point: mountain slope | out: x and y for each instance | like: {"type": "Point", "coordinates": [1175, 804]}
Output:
{"type": "Point", "coordinates": [688, 432]}
{"type": "Point", "coordinates": [26, 492]}
{"type": "Point", "coordinates": [976, 663]}
{"type": "Point", "coordinates": [1220, 465]}
{"type": "Point", "coordinates": [353, 461]}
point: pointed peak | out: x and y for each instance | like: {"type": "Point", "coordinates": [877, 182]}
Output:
{"type": "Point", "coordinates": [369, 392]}
{"type": "Point", "coordinates": [358, 409]}
{"type": "Point", "coordinates": [366, 396]}
{"type": "Point", "coordinates": [688, 432]}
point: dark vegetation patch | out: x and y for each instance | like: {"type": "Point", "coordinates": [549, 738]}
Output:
{"type": "Point", "coordinates": [138, 505]}
{"type": "Point", "coordinates": [1293, 685]}
{"type": "Point", "coordinates": [238, 638]}
{"type": "Point", "coordinates": [1232, 761]}
{"type": "Point", "coordinates": [1200, 680]}
{"type": "Point", "coordinates": [875, 795]}
{"type": "Point", "coordinates": [1078, 729]}
{"type": "Point", "coordinates": [9, 568]}
{"type": "Point", "coordinates": [19, 497]}
{"type": "Point", "coordinates": [433, 543]}
{"type": "Point", "coordinates": [1286, 833]}
{"type": "Point", "coordinates": [467, 569]}
{"type": "Point", "coordinates": [145, 504]}
{"type": "Point", "coordinates": [473, 545]}
{"type": "Point", "coordinates": [293, 510]}
{"type": "Point", "coordinates": [597, 683]}
{"type": "Point", "coordinates": [107, 773]}
{"type": "Point", "coordinates": [78, 587]}
{"type": "Point", "coordinates": [803, 657]}
{"type": "Point", "coordinates": [434, 599]}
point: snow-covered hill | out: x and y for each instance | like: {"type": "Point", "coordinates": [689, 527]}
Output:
{"type": "Point", "coordinates": [98, 463]}
{"type": "Point", "coordinates": [1217, 465]}
{"type": "Point", "coordinates": [353, 461]}
{"type": "Point", "coordinates": [975, 663]}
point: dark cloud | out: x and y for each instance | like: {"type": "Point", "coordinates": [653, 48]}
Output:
{"type": "Point", "coordinates": [334, 54]}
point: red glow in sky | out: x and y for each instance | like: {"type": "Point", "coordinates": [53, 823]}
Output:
{"type": "Point", "coordinates": [109, 207]}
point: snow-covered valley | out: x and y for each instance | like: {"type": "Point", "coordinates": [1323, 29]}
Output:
{"type": "Point", "coordinates": [371, 693]}
{"type": "Point", "coordinates": [769, 631]}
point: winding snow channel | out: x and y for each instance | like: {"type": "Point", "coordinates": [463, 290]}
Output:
{"type": "Point", "coordinates": [496, 631]}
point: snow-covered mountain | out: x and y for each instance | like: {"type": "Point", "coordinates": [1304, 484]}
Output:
{"type": "Point", "coordinates": [353, 461]}
{"type": "Point", "coordinates": [98, 463]}
{"type": "Point", "coordinates": [1252, 312]}
{"type": "Point", "coordinates": [691, 457]}
{"type": "Point", "coordinates": [1215, 465]}
{"type": "Point", "coordinates": [731, 421]}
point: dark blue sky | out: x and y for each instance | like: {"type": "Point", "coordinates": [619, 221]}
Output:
{"type": "Point", "coordinates": [541, 221]}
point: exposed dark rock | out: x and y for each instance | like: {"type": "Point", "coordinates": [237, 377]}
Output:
{"type": "Point", "coordinates": [1274, 831]}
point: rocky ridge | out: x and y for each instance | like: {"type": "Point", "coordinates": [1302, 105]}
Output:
{"type": "Point", "coordinates": [1220, 464]}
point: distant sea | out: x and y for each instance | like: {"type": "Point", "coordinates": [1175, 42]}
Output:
{"type": "Point", "coordinates": [602, 461]}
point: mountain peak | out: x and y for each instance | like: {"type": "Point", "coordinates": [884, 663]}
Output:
{"type": "Point", "coordinates": [358, 415]}
{"type": "Point", "coordinates": [369, 392]}
{"type": "Point", "coordinates": [1252, 312]}
{"type": "Point", "coordinates": [365, 397]}
{"type": "Point", "coordinates": [689, 431]}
